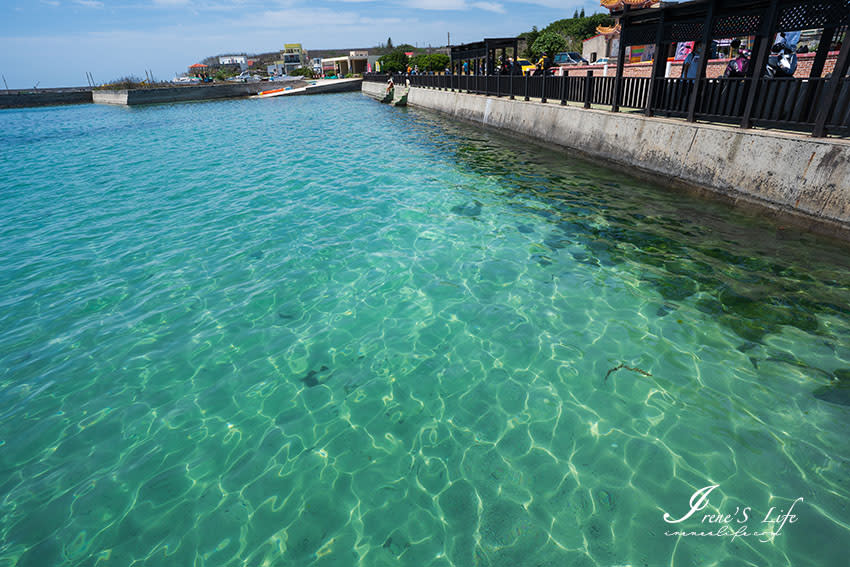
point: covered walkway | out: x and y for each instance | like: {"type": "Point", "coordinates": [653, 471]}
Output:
{"type": "Point", "coordinates": [482, 56]}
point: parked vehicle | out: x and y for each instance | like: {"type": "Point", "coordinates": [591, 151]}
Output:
{"type": "Point", "coordinates": [186, 80]}
{"type": "Point", "coordinates": [526, 65]}
{"type": "Point", "coordinates": [569, 58]}
{"type": "Point", "coordinates": [603, 61]}
{"type": "Point", "coordinates": [245, 77]}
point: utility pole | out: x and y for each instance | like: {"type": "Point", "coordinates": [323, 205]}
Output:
{"type": "Point", "coordinates": [4, 82]}
{"type": "Point", "coordinates": [448, 39]}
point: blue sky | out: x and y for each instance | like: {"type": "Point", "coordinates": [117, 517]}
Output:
{"type": "Point", "coordinates": [54, 42]}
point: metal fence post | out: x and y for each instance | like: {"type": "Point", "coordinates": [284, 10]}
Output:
{"type": "Point", "coordinates": [621, 59]}
{"type": "Point", "coordinates": [764, 40]}
{"type": "Point", "coordinates": [564, 79]}
{"type": "Point", "coordinates": [658, 65]}
{"type": "Point", "coordinates": [588, 89]}
{"type": "Point", "coordinates": [703, 61]}
{"type": "Point", "coordinates": [543, 90]}
{"type": "Point", "coordinates": [526, 87]}
{"type": "Point", "coordinates": [512, 86]}
{"type": "Point", "coordinates": [831, 91]}
{"type": "Point", "coordinates": [498, 86]}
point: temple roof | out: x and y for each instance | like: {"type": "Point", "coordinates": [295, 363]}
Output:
{"type": "Point", "coordinates": [606, 30]}
{"type": "Point", "coordinates": [615, 5]}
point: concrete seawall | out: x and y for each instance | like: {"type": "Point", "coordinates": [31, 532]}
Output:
{"type": "Point", "coordinates": [45, 97]}
{"type": "Point", "coordinates": [176, 94]}
{"type": "Point", "coordinates": [805, 180]}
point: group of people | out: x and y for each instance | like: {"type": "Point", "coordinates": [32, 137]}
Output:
{"type": "Point", "coordinates": [509, 66]}
{"type": "Point", "coordinates": [782, 61]}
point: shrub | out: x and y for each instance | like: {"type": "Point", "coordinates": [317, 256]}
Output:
{"type": "Point", "coordinates": [303, 72]}
{"type": "Point", "coordinates": [128, 82]}
{"type": "Point", "coordinates": [394, 62]}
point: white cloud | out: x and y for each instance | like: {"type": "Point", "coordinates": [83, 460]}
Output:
{"type": "Point", "coordinates": [566, 9]}
{"type": "Point", "coordinates": [89, 3]}
{"type": "Point", "coordinates": [51, 2]}
{"type": "Point", "coordinates": [171, 2]}
{"type": "Point", "coordinates": [456, 5]}
{"type": "Point", "coordinates": [489, 7]}
{"type": "Point", "coordinates": [438, 4]}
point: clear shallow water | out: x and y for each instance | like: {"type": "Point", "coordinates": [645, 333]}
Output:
{"type": "Point", "coordinates": [321, 331]}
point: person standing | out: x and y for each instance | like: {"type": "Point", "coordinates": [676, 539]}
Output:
{"type": "Point", "coordinates": [690, 67]}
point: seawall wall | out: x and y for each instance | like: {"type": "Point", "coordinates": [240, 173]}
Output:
{"type": "Point", "coordinates": [803, 179]}
{"type": "Point", "coordinates": [45, 97]}
{"type": "Point", "coordinates": [176, 94]}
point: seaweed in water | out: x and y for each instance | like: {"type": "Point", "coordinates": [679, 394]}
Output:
{"type": "Point", "coordinates": [310, 379]}
{"type": "Point", "coordinates": [664, 310]}
{"type": "Point", "coordinates": [838, 392]}
{"type": "Point", "coordinates": [470, 209]}
{"type": "Point", "coordinates": [635, 369]}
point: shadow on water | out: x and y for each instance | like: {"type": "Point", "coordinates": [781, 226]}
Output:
{"type": "Point", "coordinates": [749, 274]}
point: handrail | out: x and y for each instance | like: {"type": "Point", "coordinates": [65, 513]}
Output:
{"type": "Point", "coordinates": [781, 103]}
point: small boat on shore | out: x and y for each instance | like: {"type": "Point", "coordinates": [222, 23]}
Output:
{"type": "Point", "coordinates": [273, 91]}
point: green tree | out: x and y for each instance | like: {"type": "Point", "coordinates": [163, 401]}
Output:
{"type": "Point", "coordinates": [393, 62]}
{"type": "Point", "coordinates": [420, 60]}
{"type": "Point", "coordinates": [576, 30]}
{"type": "Point", "coordinates": [438, 62]}
{"type": "Point", "coordinates": [548, 43]}
{"type": "Point", "coordinates": [389, 43]}
{"type": "Point", "coordinates": [434, 62]}
{"type": "Point", "coordinates": [575, 14]}
{"type": "Point", "coordinates": [582, 13]}
{"type": "Point", "coordinates": [529, 37]}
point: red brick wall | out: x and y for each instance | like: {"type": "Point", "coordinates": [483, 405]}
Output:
{"type": "Point", "coordinates": [716, 67]}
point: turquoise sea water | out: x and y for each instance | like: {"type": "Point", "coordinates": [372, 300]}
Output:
{"type": "Point", "coordinates": [322, 331]}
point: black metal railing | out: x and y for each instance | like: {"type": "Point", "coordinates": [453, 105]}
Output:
{"type": "Point", "coordinates": [783, 103]}
{"type": "Point", "coordinates": [780, 103]}
{"type": "Point", "coordinates": [839, 121]}
{"type": "Point", "coordinates": [580, 89]}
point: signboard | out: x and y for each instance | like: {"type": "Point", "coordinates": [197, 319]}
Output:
{"type": "Point", "coordinates": [682, 50]}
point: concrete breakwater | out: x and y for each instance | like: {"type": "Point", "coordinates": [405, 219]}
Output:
{"type": "Point", "coordinates": [45, 97]}
{"type": "Point", "coordinates": [806, 180]}
{"type": "Point", "coordinates": [129, 97]}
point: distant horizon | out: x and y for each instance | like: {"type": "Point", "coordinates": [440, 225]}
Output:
{"type": "Point", "coordinates": [54, 43]}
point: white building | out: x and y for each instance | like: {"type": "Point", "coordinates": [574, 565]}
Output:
{"type": "Point", "coordinates": [355, 63]}
{"type": "Point", "coordinates": [240, 60]}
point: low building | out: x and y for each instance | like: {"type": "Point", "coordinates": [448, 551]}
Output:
{"type": "Point", "coordinates": [293, 57]}
{"type": "Point", "coordinates": [198, 70]}
{"type": "Point", "coordinates": [354, 63]}
{"type": "Point", "coordinates": [599, 46]}
{"type": "Point", "coordinates": [240, 60]}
